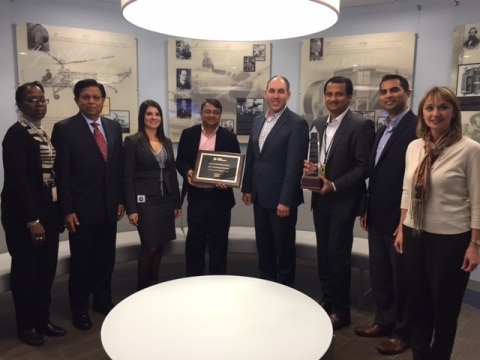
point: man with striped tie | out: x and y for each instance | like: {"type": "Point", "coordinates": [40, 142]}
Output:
{"type": "Point", "coordinates": [89, 168]}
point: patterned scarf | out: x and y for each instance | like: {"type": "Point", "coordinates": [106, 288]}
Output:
{"type": "Point", "coordinates": [421, 177]}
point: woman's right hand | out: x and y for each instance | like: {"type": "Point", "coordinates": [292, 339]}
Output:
{"type": "Point", "coordinates": [133, 218]}
{"type": "Point", "coordinates": [37, 232]}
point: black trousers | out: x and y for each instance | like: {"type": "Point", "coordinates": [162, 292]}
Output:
{"type": "Point", "coordinates": [275, 238]}
{"type": "Point", "coordinates": [33, 267]}
{"type": "Point", "coordinates": [436, 285]}
{"type": "Point", "coordinates": [334, 253]}
{"type": "Point", "coordinates": [92, 249]}
{"type": "Point", "coordinates": [208, 226]}
{"type": "Point", "coordinates": [387, 275]}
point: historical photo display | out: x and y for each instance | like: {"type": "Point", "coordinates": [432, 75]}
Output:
{"type": "Point", "coordinates": [59, 57]}
{"type": "Point", "coordinates": [226, 71]}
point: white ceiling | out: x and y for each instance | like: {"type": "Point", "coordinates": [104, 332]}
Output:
{"type": "Point", "coordinates": [343, 3]}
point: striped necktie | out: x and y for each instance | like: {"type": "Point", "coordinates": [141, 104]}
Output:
{"type": "Point", "coordinates": [100, 139]}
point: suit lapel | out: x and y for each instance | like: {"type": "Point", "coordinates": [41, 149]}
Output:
{"type": "Point", "coordinates": [84, 130]}
{"type": "Point", "coordinates": [373, 154]}
{"type": "Point", "coordinates": [276, 128]}
{"type": "Point", "coordinates": [399, 129]}
{"type": "Point", "coordinates": [338, 134]}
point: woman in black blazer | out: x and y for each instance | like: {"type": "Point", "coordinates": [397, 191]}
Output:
{"type": "Point", "coordinates": [151, 189]}
{"type": "Point", "coordinates": [29, 215]}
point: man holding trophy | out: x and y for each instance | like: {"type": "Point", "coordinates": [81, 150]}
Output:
{"type": "Point", "coordinates": [335, 171]}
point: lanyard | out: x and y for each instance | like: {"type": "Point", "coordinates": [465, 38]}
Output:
{"type": "Point", "coordinates": [325, 149]}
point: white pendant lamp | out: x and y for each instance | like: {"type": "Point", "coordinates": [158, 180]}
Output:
{"type": "Point", "coordinates": [232, 20]}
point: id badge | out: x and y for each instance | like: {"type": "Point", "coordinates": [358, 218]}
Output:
{"type": "Point", "coordinates": [54, 194]}
{"type": "Point", "coordinates": [323, 168]}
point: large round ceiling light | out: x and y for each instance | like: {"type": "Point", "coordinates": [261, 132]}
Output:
{"type": "Point", "coordinates": [232, 20]}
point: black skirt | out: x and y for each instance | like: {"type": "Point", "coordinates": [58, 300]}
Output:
{"type": "Point", "coordinates": [156, 220]}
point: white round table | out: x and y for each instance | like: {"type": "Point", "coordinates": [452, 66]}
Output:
{"type": "Point", "coordinates": [217, 317]}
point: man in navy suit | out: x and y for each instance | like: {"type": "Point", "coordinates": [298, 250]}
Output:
{"type": "Point", "coordinates": [273, 170]}
{"type": "Point", "coordinates": [90, 194]}
{"type": "Point", "coordinates": [209, 206]}
{"type": "Point", "coordinates": [346, 142]}
{"type": "Point", "coordinates": [386, 168]}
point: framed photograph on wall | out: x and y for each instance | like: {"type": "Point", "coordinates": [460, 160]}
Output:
{"type": "Point", "coordinates": [468, 86]}
{"type": "Point", "coordinates": [227, 71]}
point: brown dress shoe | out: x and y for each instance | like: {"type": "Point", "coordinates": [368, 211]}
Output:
{"type": "Point", "coordinates": [372, 330]}
{"type": "Point", "coordinates": [392, 346]}
{"type": "Point", "coordinates": [339, 321]}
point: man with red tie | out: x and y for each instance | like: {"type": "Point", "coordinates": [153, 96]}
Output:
{"type": "Point", "coordinates": [89, 168]}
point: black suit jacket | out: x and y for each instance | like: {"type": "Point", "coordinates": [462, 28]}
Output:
{"type": "Point", "coordinates": [87, 185]}
{"type": "Point", "coordinates": [386, 178]}
{"type": "Point", "coordinates": [273, 175]}
{"type": "Point", "coordinates": [22, 194]}
{"type": "Point", "coordinates": [346, 166]}
{"type": "Point", "coordinates": [226, 141]}
{"type": "Point", "coordinates": [142, 172]}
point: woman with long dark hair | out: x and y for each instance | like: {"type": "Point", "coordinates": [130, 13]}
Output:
{"type": "Point", "coordinates": [151, 189]}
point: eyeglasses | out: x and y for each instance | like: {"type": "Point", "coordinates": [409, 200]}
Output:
{"type": "Point", "coordinates": [35, 101]}
{"type": "Point", "coordinates": [210, 112]}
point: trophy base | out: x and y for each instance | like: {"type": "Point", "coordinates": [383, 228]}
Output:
{"type": "Point", "coordinates": [312, 183]}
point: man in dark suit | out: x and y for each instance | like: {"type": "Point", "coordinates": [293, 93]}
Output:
{"type": "Point", "coordinates": [273, 169]}
{"type": "Point", "coordinates": [346, 142]}
{"type": "Point", "coordinates": [209, 205]}
{"type": "Point", "coordinates": [89, 168]}
{"type": "Point", "coordinates": [386, 168]}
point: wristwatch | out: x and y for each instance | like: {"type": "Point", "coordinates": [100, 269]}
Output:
{"type": "Point", "coordinates": [476, 242]}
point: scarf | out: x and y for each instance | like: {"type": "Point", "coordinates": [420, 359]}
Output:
{"type": "Point", "coordinates": [421, 177]}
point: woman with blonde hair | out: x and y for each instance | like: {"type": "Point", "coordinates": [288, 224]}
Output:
{"type": "Point", "coordinates": [439, 232]}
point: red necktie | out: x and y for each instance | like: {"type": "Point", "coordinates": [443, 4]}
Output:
{"type": "Point", "coordinates": [100, 139]}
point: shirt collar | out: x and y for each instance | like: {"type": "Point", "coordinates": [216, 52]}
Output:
{"type": "Point", "coordinates": [207, 135]}
{"type": "Point", "coordinates": [392, 123]}
{"type": "Point", "coordinates": [276, 115]}
{"type": "Point", "coordinates": [339, 118]}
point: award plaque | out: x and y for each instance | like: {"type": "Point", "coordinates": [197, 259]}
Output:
{"type": "Point", "coordinates": [311, 180]}
{"type": "Point", "coordinates": [214, 167]}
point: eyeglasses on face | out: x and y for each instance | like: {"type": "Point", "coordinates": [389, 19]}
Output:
{"type": "Point", "coordinates": [35, 101]}
{"type": "Point", "coordinates": [210, 112]}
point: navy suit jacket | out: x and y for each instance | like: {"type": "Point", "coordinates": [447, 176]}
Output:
{"type": "Point", "coordinates": [273, 175]}
{"type": "Point", "coordinates": [386, 178]}
{"type": "Point", "coordinates": [87, 185]}
{"type": "Point", "coordinates": [346, 166]}
{"type": "Point", "coordinates": [187, 151]}
{"type": "Point", "coordinates": [142, 172]}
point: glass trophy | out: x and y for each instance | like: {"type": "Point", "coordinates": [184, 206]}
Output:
{"type": "Point", "coordinates": [311, 180]}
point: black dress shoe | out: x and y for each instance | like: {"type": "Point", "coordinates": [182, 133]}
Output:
{"type": "Point", "coordinates": [339, 321]}
{"type": "Point", "coordinates": [81, 320]}
{"type": "Point", "coordinates": [103, 309]}
{"type": "Point", "coordinates": [31, 337]}
{"type": "Point", "coordinates": [51, 330]}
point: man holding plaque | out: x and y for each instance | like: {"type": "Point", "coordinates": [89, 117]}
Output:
{"type": "Point", "coordinates": [273, 169]}
{"type": "Point", "coordinates": [345, 141]}
{"type": "Point", "coordinates": [209, 204]}
{"type": "Point", "coordinates": [387, 166]}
